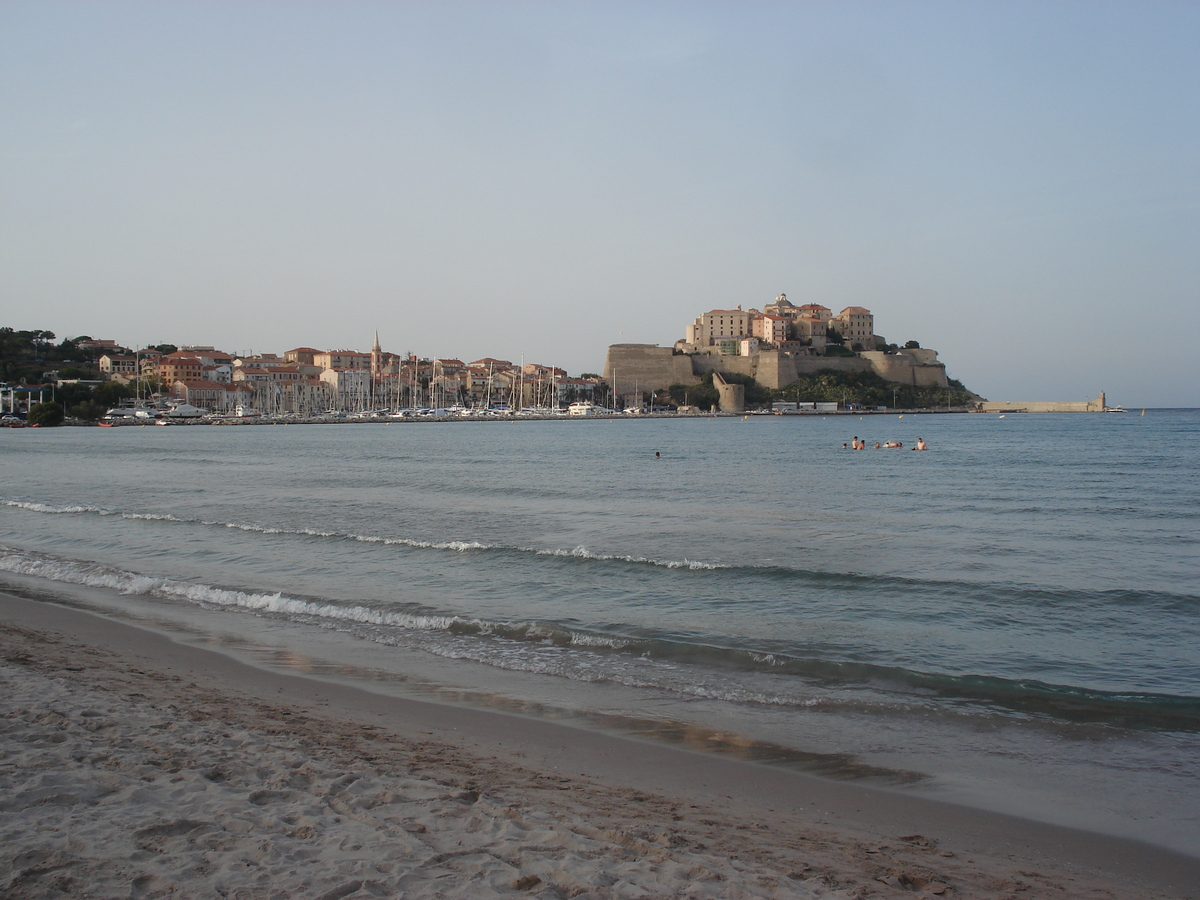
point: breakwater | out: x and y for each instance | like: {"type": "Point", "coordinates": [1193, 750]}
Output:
{"type": "Point", "coordinates": [1002, 406]}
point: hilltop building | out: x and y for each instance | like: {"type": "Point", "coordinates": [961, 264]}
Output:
{"type": "Point", "coordinates": [805, 330]}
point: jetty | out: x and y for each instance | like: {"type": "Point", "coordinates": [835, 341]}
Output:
{"type": "Point", "coordinates": [1014, 406]}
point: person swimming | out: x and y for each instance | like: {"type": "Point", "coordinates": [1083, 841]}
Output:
{"type": "Point", "coordinates": [893, 445]}
{"type": "Point", "coordinates": [921, 445]}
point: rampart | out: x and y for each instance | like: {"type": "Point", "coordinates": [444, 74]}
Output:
{"type": "Point", "coordinates": [654, 368]}
{"type": "Point", "coordinates": [646, 367]}
{"type": "Point", "coordinates": [917, 367]}
{"type": "Point", "coordinates": [731, 397]}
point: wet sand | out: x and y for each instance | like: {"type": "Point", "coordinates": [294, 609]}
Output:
{"type": "Point", "coordinates": [132, 765]}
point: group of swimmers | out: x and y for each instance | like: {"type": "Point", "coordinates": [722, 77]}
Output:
{"type": "Point", "coordinates": [857, 444]}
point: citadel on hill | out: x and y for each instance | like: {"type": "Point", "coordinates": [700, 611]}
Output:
{"type": "Point", "coordinates": [775, 347]}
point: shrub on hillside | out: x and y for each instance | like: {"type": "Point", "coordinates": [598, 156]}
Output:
{"type": "Point", "coordinates": [45, 414]}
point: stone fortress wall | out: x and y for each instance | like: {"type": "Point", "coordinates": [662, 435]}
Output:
{"type": "Point", "coordinates": [732, 397]}
{"type": "Point", "coordinates": [652, 368]}
{"type": "Point", "coordinates": [646, 367]}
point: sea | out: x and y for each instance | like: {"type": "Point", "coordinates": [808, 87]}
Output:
{"type": "Point", "coordinates": [1009, 620]}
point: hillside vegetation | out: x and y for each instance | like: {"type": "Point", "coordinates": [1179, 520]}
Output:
{"type": "Point", "coordinates": [861, 388]}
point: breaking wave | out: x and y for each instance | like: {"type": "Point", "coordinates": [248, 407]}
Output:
{"type": "Point", "coordinates": [695, 665]}
{"type": "Point", "coordinates": [458, 546]}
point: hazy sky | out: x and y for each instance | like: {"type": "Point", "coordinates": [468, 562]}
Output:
{"type": "Point", "coordinates": [1016, 185]}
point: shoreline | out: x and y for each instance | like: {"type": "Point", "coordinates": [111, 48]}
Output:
{"type": "Point", "coordinates": [350, 419]}
{"type": "Point", "coordinates": [447, 419]}
{"type": "Point", "coordinates": [795, 834]}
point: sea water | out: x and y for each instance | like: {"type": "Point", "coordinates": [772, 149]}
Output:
{"type": "Point", "coordinates": [1009, 620]}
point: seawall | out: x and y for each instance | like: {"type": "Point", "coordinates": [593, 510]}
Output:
{"type": "Point", "coordinates": [1000, 406]}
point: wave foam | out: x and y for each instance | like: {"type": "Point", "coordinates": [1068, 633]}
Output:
{"type": "Point", "coordinates": [134, 583]}
{"type": "Point", "coordinates": [49, 508]}
{"type": "Point", "coordinates": [457, 546]}
{"type": "Point", "coordinates": [584, 553]}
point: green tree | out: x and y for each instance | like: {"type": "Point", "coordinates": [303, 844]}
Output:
{"type": "Point", "coordinates": [42, 341]}
{"type": "Point", "coordinates": [47, 414]}
{"type": "Point", "coordinates": [24, 354]}
{"type": "Point", "coordinates": [88, 410]}
{"type": "Point", "coordinates": [702, 395]}
{"type": "Point", "coordinates": [869, 389]}
{"type": "Point", "coordinates": [111, 393]}
{"type": "Point", "coordinates": [70, 394]}
{"type": "Point", "coordinates": [911, 345]}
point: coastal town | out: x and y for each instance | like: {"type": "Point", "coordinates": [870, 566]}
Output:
{"type": "Point", "coordinates": [308, 382]}
{"type": "Point", "coordinates": [782, 358]}
{"type": "Point", "coordinates": [303, 382]}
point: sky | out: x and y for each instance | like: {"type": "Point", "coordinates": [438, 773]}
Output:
{"type": "Point", "coordinates": [1016, 185]}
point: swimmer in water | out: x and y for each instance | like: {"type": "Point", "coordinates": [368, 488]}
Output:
{"type": "Point", "coordinates": [921, 445]}
{"type": "Point", "coordinates": [657, 455]}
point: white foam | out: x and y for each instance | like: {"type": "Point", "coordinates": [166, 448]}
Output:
{"type": "Point", "coordinates": [457, 546]}
{"type": "Point", "coordinates": [584, 553]}
{"type": "Point", "coordinates": [596, 640]}
{"type": "Point", "coordinates": [134, 583]}
{"type": "Point", "coordinates": [536, 653]}
{"type": "Point", "coordinates": [48, 508]}
{"type": "Point", "coordinates": [641, 673]}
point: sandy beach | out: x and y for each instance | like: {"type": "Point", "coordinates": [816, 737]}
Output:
{"type": "Point", "coordinates": [132, 765]}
